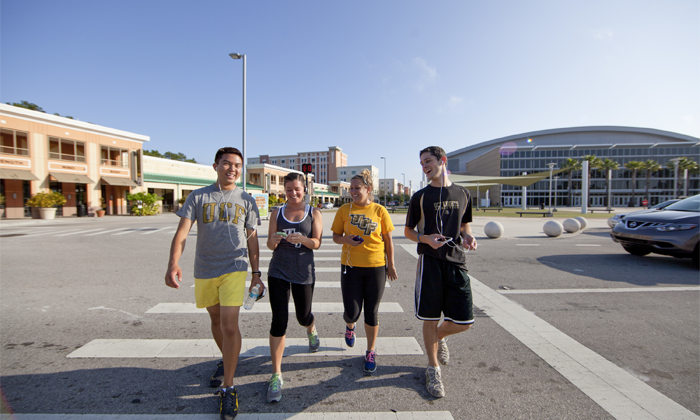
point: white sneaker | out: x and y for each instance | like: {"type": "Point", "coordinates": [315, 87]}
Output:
{"type": "Point", "coordinates": [443, 352]}
{"type": "Point", "coordinates": [433, 382]}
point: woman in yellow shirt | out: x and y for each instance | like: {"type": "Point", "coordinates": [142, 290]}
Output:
{"type": "Point", "coordinates": [364, 229]}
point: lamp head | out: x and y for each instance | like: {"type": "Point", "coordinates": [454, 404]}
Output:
{"type": "Point", "coordinates": [236, 56]}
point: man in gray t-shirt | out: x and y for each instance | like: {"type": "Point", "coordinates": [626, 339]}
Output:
{"type": "Point", "coordinates": [227, 242]}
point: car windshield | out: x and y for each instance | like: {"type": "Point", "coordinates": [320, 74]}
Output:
{"type": "Point", "coordinates": [689, 204]}
{"type": "Point", "coordinates": [663, 205]}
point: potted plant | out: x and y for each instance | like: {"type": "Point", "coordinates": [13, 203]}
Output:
{"type": "Point", "coordinates": [46, 203]}
{"type": "Point", "coordinates": [101, 211]}
{"type": "Point", "coordinates": [2, 206]}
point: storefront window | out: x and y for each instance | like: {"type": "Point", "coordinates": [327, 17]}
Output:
{"type": "Point", "coordinates": [14, 142]}
{"type": "Point", "coordinates": [113, 156]}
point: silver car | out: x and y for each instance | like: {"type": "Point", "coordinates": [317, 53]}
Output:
{"type": "Point", "coordinates": [673, 231]}
{"type": "Point", "coordinates": [616, 218]}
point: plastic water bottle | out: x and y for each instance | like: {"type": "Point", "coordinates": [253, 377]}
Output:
{"type": "Point", "coordinates": [252, 297]}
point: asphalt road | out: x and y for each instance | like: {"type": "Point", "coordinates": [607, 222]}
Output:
{"type": "Point", "coordinates": [65, 283]}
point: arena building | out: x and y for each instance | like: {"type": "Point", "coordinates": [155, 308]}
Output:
{"type": "Point", "coordinates": [532, 152]}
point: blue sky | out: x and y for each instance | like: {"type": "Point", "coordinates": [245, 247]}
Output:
{"type": "Point", "coordinates": [376, 78]}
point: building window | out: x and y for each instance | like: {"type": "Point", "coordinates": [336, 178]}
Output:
{"type": "Point", "coordinates": [14, 142]}
{"type": "Point", "coordinates": [113, 156]}
{"type": "Point", "coordinates": [63, 149]}
{"type": "Point", "coordinates": [274, 161]}
{"type": "Point", "coordinates": [282, 161]}
{"type": "Point", "coordinates": [313, 160]}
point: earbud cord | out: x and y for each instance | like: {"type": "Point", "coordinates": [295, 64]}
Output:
{"type": "Point", "coordinates": [438, 215]}
{"type": "Point", "coordinates": [238, 263]}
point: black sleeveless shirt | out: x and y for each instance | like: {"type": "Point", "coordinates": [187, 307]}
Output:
{"type": "Point", "coordinates": [294, 262]}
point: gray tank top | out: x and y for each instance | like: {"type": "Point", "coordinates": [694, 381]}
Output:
{"type": "Point", "coordinates": [294, 262]}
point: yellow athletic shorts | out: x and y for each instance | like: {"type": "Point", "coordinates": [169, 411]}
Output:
{"type": "Point", "coordinates": [227, 290]}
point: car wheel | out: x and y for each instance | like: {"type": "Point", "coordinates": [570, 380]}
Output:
{"type": "Point", "coordinates": [635, 250]}
{"type": "Point", "coordinates": [696, 255]}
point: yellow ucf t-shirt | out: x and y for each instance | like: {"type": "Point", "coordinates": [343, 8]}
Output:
{"type": "Point", "coordinates": [369, 222]}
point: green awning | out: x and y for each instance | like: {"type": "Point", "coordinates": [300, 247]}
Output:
{"type": "Point", "coordinates": [326, 193]}
{"type": "Point", "coordinates": [187, 180]}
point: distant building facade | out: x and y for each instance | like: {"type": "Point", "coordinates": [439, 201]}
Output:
{"type": "Point", "coordinates": [345, 174]}
{"type": "Point", "coordinates": [531, 152]}
{"type": "Point", "coordinates": [325, 163]}
{"type": "Point", "coordinates": [390, 185]}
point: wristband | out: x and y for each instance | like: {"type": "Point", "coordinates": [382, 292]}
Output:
{"type": "Point", "coordinates": [418, 238]}
{"type": "Point", "coordinates": [259, 273]}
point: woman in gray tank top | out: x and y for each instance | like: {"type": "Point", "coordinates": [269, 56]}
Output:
{"type": "Point", "coordinates": [295, 231]}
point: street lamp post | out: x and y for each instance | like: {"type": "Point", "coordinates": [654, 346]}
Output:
{"type": "Point", "coordinates": [675, 161]}
{"type": "Point", "coordinates": [385, 181]}
{"type": "Point", "coordinates": [237, 56]}
{"type": "Point", "coordinates": [551, 168]}
{"type": "Point", "coordinates": [556, 178]}
{"type": "Point", "coordinates": [403, 187]}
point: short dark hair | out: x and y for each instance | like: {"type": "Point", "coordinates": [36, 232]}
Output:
{"type": "Point", "coordinates": [436, 151]}
{"type": "Point", "coordinates": [225, 150]}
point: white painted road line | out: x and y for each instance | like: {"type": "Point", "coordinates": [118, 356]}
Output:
{"type": "Point", "coordinates": [252, 347]}
{"type": "Point", "coordinates": [527, 244]}
{"type": "Point", "coordinates": [106, 231]}
{"type": "Point", "coordinates": [588, 245]}
{"type": "Point", "coordinates": [318, 269]}
{"type": "Point", "coordinates": [157, 230]}
{"type": "Point", "coordinates": [401, 415]}
{"type": "Point", "coordinates": [616, 391]}
{"type": "Point", "coordinates": [321, 284]}
{"type": "Point", "coordinates": [315, 250]}
{"type": "Point", "coordinates": [45, 233]}
{"type": "Point", "coordinates": [264, 307]}
{"type": "Point", "coordinates": [131, 230]}
{"type": "Point", "coordinates": [610, 290]}
{"type": "Point", "coordinates": [79, 232]}
{"type": "Point", "coordinates": [315, 258]}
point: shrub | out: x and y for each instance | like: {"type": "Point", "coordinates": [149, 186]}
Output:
{"type": "Point", "coordinates": [47, 200]}
{"type": "Point", "coordinates": [148, 201]}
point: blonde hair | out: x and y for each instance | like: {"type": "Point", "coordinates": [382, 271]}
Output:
{"type": "Point", "coordinates": [366, 177]}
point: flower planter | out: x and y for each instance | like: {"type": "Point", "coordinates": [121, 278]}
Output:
{"type": "Point", "coordinates": [100, 213]}
{"type": "Point", "coordinates": [47, 213]}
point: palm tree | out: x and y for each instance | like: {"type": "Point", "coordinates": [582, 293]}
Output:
{"type": "Point", "coordinates": [608, 165]}
{"type": "Point", "coordinates": [683, 164]}
{"type": "Point", "coordinates": [634, 166]}
{"type": "Point", "coordinates": [593, 163]}
{"type": "Point", "coordinates": [650, 166]}
{"type": "Point", "coordinates": [571, 165]}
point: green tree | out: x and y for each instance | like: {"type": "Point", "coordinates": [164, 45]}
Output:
{"type": "Point", "coordinates": [168, 155]}
{"type": "Point", "coordinates": [570, 166]}
{"type": "Point", "coordinates": [26, 105]}
{"type": "Point", "coordinates": [608, 165]}
{"type": "Point", "coordinates": [650, 166]}
{"type": "Point", "coordinates": [683, 164]}
{"type": "Point", "coordinates": [634, 166]}
{"type": "Point", "coordinates": [153, 153]}
{"type": "Point", "coordinates": [593, 163]}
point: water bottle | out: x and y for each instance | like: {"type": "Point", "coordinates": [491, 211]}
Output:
{"type": "Point", "coordinates": [252, 297]}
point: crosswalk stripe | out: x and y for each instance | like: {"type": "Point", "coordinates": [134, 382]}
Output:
{"type": "Point", "coordinates": [155, 231]}
{"type": "Point", "coordinates": [79, 232]}
{"type": "Point", "coordinates": [322, 284]}
{"type": "Point", "coordinates": [260, 307]}
{"type": "Point", "coordinates": [315, 258]}
{"type": "Point", "coordinates": [129, 230]}
{"type": "Point", "coordinates": [587, 244]}
{"type": "Point", "coordinates": [383, 415]}
{"type": "Point", "coordinates": [315, 250]}
{"type": "Point", "coordinates": [106, 231]}
{"type": "Point", "coordinates": [51, 232]}
{"type": "Point", "coordinates": [318, 269]}
{"type": "Point", "coordinates": [607, 290]}
{"type": "Point", "coordinates": [251, 347]}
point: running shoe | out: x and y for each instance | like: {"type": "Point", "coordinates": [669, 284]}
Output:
{"type": "Point", "coordinates": [218, 377]}
{"type": "Point", "coordinates": [228, 403]}
{"type": "Point", "coordinates": [349, 336]}
{"type": "Point", "coordinates": [433, 382]}
{"type": "Point", "coordinates": [443, 352]}
{"type": "Point", "coordinates": [370, 362]}
{"type": "Point", "coordinates": [314, 341]}
{"type": "Point", "coordinates": [274, 389]}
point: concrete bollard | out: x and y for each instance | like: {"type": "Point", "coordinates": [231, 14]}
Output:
{"type": "Point", "coordinates": [571, 225]}
{"type": "Point", "coordinates": [582, 220]}
{"type": "Point", "coordinates": [553, 228]}
{"type": "Point", "coordinates": [493, 230]}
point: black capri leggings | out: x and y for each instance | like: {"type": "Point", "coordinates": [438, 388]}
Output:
{"type": "Point", "coordinates": [362, 284]}
{"type": "Point", "coordinates": [279, 303]}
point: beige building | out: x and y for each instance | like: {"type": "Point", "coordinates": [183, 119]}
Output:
{"type": "Point", "coordinates": [345, 174]}
{"type": "Point", "coordinates": [325, 163]}
{"type": "Point", "coordinates": [85, 162]}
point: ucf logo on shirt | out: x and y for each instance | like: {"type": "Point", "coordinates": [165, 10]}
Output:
{"type": "Point", "coordinates": [363, 223]}
{"type": "Point", "coordinates": [225, 212]}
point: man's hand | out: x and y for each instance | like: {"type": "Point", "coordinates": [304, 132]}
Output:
{"type": "Point", "coordinates": [432, 240]}
{"type": "Point", "coordinates": [173, 277]}
{"type": "Point", "coordinates": [256, 280]}
{"type": "Point", "coordinates": [469, 242]}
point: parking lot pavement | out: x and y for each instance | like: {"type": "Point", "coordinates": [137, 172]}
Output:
{"type": "Point", "coordinates": [568, 327]}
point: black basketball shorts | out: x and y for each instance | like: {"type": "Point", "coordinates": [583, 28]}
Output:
{"type": "Point", "coordinates": [442, 288]}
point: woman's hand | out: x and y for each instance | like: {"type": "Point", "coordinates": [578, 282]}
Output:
{"type": "Point", "coordinates": [391, 273]}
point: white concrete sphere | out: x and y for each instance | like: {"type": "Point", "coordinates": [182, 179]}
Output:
{"type": "Point", "coordinates": [582, 220]}
{"type": "Point", "coordinates": [553, 228]}
{"type": "Point", "coordinates": [571, 225]}
{"type": "Point", "coordinates": [494, 230]}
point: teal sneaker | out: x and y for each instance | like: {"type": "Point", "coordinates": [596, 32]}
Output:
{"type": "Point", "coordinates": [274, 388]}
{"type": "Point", "coordinates": [314, 341]}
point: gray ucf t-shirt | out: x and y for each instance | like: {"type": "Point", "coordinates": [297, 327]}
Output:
{"type": "Point", "coordinates": [222, 219]}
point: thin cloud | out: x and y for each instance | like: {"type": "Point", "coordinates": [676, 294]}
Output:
{"type": "Point", "coordinates": [428, 75]}
{"type": "Point", "coordinates": [454, 104]}
{"type": "Point", "coordinates": [602, 34]}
